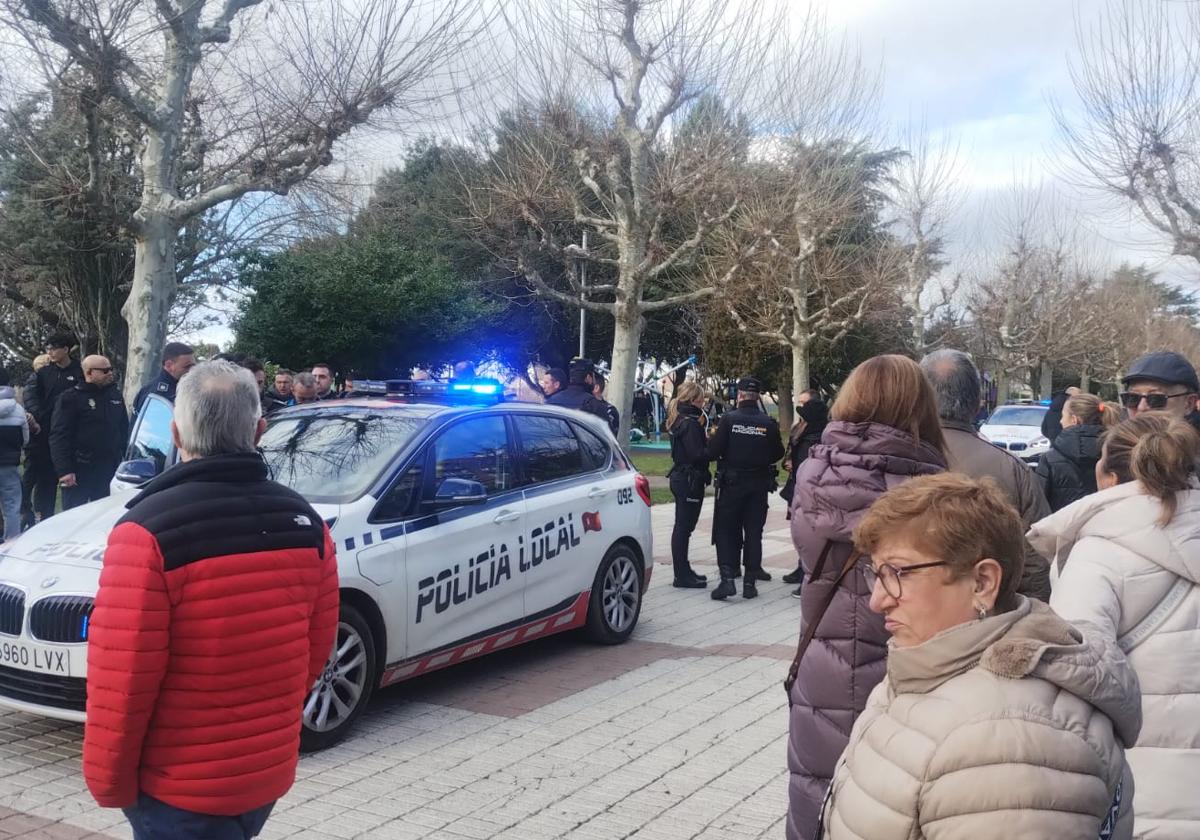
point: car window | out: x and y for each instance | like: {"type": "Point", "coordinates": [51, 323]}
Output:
{"type": "Point", "coordinates": [1017, 415]}
{"type": "Point", "coordinates": [595, 450]}
{"type": "Point", "coordinates": [152, 440]}
{"type": "Point", "coordinates": [401, 499]}
{"type": "Point", "coordinates": [332, 456]}
{"type": "Point", "coordinates": [476, 450]}
{"type": "Point", "coordinates": [551, 449]}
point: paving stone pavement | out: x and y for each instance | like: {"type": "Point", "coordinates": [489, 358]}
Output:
{"type": "Point", "coordinates": [679, 734]}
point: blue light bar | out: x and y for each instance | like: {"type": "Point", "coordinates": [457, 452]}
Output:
{"type": "Point", "coordinates": [471, 390]}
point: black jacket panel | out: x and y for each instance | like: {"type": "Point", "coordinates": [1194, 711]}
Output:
{"type": "Point", "coordinates": [1068, 469]}
{"type": "Point", "coordinates": [90, 429]}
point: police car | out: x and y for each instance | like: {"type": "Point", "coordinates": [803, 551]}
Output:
{"type": "Point", "coordinates": [461, 529]}
{"type": "Point", "coordinates": [1017, 427]}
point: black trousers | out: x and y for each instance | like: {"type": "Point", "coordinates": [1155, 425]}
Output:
{"type": "Point", "coordinates": [689, 499]}
{"type": "Point", "coordinates": [91, 483]}
{"type": "Point", "coordinates": [39, 484]}
{"type": "Point", "coordinates": [738, 521]}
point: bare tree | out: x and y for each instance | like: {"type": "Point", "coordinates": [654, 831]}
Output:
{"type": "Point", "coordinates": [225, 114]}
{"type": "Point", "coordinates": [925, 198]}
{"type": "Point", "coordinates": [1136, 130]}
{"type": "Point", "coordinates": [631, 142]}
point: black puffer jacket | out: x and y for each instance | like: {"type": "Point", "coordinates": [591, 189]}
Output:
{"type": "Point", "coordinates": [1068, 469]}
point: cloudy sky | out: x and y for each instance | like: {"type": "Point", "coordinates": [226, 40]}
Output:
{"type": "Point", "coordinates": [984, 74]}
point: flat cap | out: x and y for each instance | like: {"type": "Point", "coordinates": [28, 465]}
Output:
{"type": "Point", "coordinates": [1163, 366]}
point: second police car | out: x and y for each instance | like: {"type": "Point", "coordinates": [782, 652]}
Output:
{"type": "Point", "coordinates": [461, 530]}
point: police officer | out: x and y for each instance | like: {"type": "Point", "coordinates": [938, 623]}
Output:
{"type": "Point", "coordinates": [87, 440]}
{"type": "Point", "coordinates": [178, 359]}
{"type": "Point", "coordinates": [746, 447]}
{"type": "Point", "coordinates": [578, 393]}
{"type": "Point", "coordinates": [610, 411]}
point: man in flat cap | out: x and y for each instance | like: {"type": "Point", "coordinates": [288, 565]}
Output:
{"type": "Point", "coordinates": [1162, 381]}
{"type": "Point", "coordinates": [746, 447]}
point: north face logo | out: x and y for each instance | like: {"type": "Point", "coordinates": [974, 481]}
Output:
{"type": "Point", "coordinates": [301, 519]}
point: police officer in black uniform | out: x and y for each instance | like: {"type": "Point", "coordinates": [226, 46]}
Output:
{"type": "Point", "coordinates": [746, 447]}
{"type": "Point", "coordinates": [178, 359]}
{"type": "Point", "coordinates": [39, 484]}
{"type": "Point", "coordinates": [578, 393]}
{"type": "Point", "coordinates": [610, 411]}
{"type": "Point", "coordinates": [87, 438]}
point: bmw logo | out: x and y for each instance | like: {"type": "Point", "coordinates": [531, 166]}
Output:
{"type": "Point", "coordinates": [48, 582]}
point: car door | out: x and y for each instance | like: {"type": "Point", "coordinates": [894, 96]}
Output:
{"type": "Point", "coordinates": [463, 561]}
{"type": "Point", "coordinates": [149, 441]}
{"type": "Point", "coordinates": [570, 496]}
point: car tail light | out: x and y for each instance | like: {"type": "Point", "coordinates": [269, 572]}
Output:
{"type": "Point", "coordinates": [643, 487]}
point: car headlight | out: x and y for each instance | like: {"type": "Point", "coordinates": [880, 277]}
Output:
{"type": "Point", "coordinates": [1038, 442]}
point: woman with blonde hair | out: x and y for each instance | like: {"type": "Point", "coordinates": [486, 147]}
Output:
{"type": "Point", "coordinates": [883, 431]}
{"type": "Point", "coordinates": [1067, 471]}
{"type": "Point", "coordinates": [688, 477]}
{"type": "Point", "coordinates": [1129, 561]}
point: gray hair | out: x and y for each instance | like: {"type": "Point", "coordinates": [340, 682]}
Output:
{"type": "Point", "coordinates": [305, 379]}
{"type": "Point", "coordinates": [955, 381]}
{"type": "Point", "coordinates": [217, 409]}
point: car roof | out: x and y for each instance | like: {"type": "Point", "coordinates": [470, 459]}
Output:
{"type": "Point", "coordinates": [427, 410]}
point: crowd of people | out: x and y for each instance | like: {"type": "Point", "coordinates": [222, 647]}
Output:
{"type": "Point", "coordinates": [986, 649]}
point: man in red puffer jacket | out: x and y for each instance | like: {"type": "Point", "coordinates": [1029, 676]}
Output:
{"type": "Point", "coordinates": [217, 610]}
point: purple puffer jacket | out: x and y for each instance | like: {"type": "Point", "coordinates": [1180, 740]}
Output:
{"type": "Point", "coordinates": [854, 465]}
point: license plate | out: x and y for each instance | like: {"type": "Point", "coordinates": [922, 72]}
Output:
{"type": "Point", "coordinates": [30, 657]}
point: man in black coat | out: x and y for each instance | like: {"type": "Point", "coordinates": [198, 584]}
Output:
{"type": "Point", "coordinates": [579, 394]}
{"type": "Point", "coordinates": [48, 383]}
{"type": "Point", "coordinates": [88, 436]}
{"type": "Point", "coordinates": [178, 359]}
{"type": "Point", "coordinates": [1052, 422]}
{"type": "Point", "coordinates": [746, 447]}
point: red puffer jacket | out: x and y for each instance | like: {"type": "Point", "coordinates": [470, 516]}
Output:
{"type": "Point", "coordinates": [217, 610]}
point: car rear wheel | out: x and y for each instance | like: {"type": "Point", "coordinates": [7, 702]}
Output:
{"type": "Point", "coordinates": [616, 600]}
{"type": "Point", "coordinates": [344, 686]}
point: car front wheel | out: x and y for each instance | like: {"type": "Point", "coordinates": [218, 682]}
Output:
{"type": "Point", "coordinates": [616, 600]}
{"type": "Point", "coordinates": [344, 686]}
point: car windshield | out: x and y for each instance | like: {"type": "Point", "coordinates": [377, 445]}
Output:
{"type": "Point", "coordinates": [333, 455]}
{"type": "Point", "coordinates": [1017, 415]}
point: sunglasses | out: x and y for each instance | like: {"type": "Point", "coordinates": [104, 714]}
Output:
{"type": "Point", "coordinates": [1154, 401]}
{"type": "Point", "coordinates": [889, 575]}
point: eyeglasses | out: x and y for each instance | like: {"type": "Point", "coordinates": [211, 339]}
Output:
{"type": "Point", "coordinates": [890, 575]}
{"type": "Point", "coordinates": [1154, 401]}
{"type": "Point", "coordinates": [99, 370]}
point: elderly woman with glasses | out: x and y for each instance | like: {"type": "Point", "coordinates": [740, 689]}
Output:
{"type": "Point", "coordinates": [996, 717]}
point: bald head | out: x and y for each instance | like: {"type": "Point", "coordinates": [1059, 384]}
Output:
{"type": "Point", "coordinates": [955, 381]}
{"type": "Point", "coordinates": [97, 370]}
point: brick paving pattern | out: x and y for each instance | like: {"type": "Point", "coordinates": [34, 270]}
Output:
{"type": "Point", "coordinates": [678, 734]}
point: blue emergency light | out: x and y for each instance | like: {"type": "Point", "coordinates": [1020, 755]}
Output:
{"type": "Point", "coordinates": [416, 390]}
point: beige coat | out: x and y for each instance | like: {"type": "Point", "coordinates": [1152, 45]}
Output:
{"type": "Point", "coordinates": [1140, 582]}
{"type": "Point", "coordinates": [995, 729]}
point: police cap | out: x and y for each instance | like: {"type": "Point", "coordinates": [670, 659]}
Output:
{"type": "Point", "coordinates": [749, 385]}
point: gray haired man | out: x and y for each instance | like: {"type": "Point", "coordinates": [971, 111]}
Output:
{"type": "Point", "coordinates": [955, 380]}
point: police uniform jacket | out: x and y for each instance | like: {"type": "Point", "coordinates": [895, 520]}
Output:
{"type": "Point", "coordinates": [580, 397]}
{"type": "Point", "coordinates": [90, 429]}
{"type": "Point", "coordinates": [164, 385]}
{"type": "Point", "coordinates": [689, 449]}
{"type": "Point", "coordinates": [746, 440]}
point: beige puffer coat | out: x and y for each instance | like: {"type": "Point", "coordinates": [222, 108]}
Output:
{"type": "Point", "coordinates": [1120, 570]}
{"type": "Point", "coordinates": [1002, 728]}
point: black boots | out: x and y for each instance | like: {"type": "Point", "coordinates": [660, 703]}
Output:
{"type": "Point", "coordinates": [724, 590]}
{"type": "Point", "coordinates": [794, 577]}
{"type": "Point", "coordinates": [760, 575]}
{"type": "Point", "coordinates": [695, 581]}
{"type": "Point", "coordinates": [749, 590]}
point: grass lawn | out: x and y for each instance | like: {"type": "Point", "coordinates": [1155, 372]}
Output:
{"type": "Point", "coordinates": [651, 463]}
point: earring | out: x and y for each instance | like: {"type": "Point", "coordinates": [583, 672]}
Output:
{"type": "Point", "coordinates": [983, 612]}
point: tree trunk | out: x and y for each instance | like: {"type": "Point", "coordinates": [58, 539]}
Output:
{"type": "Point", "coordinates": [627, 335]}
{"type": "Point", "coordinates": [149, 302]}
{"type": "Point", "coordinates": [1002, 387]}
{"type": "Point", "coordinates": [1085, 380]}
{"type": "Point", "coordinates": [1046, 385]}
{"type": "Point", "coordinates": [799, 367]}
{"type": "Point", "coordinates": [787, 402]}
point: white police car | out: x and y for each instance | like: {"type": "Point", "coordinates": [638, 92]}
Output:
{"type": "Point", "coordinates": [460, 529]}
{"type": "Point", "coordinates": [1017, 427]}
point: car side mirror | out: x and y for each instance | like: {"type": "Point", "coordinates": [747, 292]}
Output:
{"type": "Point", "coordinates": [459, 491]}
{"type": "Point", "coordinates": [137, 471]}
